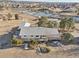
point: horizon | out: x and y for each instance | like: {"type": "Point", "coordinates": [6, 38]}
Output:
{"type": "Point", "coordinates": [49, 0]}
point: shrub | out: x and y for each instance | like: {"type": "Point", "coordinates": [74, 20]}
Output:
{"type": "Point", "coordinates": [16, 16]}
{"type": "Point", "coordinates": [9, 16]}
{"type": "Point", "coordinates": [14, 41]}
{"type": "Point", "coordinates": [68, 38]}
{"type": "Point", "coordinates": [33, 43]}
{"type": "Point", "coordinates": [44, 50]}
{"type": "Point", "coordinates": [17, 42]}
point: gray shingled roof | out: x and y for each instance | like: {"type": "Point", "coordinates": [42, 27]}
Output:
{"type": "Point", "coordinates": [38, 31]}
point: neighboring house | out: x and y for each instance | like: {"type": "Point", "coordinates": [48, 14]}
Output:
{"type": "Point", "coordinates": [39, 33]}
{"type": "Point", "coordinates": [71, 9]}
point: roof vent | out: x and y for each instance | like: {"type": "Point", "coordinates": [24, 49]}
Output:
{"type": "Point", "coordinates": [27, 25]}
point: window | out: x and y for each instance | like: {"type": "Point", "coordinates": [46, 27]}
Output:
{"type": "Point", "coordinates": [37, 35]}
{"type": "Point", "coordinates": [43, 36]}
{"type": "Point", "coordinates": [25, 36]}
{"type": "Point", "coordinates": [31, 35]}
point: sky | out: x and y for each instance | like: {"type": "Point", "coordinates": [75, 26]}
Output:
{"type": "Point", "coordinates": [51, 0]}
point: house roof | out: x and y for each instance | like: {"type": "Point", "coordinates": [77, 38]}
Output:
{"type": "Point", "coordinates": [71, 9]}
{"type": "Point", "coordinates": [24, 24]}
{"type": "Point", "coordinates": [38, 31]}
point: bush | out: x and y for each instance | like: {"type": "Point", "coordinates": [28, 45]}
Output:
{"type": "Point", "coordinates": [9, 16]}
{"type": "Point", "coordinates": [16, 16]}
{"type": "Point", "coordinates": [33, 44]}
{"type": "Point", "coordinates": [44, 50]}
{"type": "Point", "coordinates": [68, 38]}
{"type": "Point", "coordinates": [17, 42]}
{"type": "Point", "coordinates": [14, 41]}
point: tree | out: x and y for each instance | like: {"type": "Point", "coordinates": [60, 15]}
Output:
{"type": "Point", "coordinates": [55, 24]}
{"type": "Point", "coordinates": [33, 43]}
{"type": "Point", "coordinates": [9, 16]}
{"type": "Point", "coordinates": [50, 25]}
{"type": "Point", "coordinates": [16, 42]}
{"type": "Point", "coordinates": [66, 24]}
{"type": "Point", "coordinates": [62, 24]}
{"type": "Point", "coordinates": [78, 11]}
{"type": "Point", "coordinates": [70, 24]}
{"type": "Point", "coordinates": [16, 16]}
{"type": "Point", "coordinates": [42, 22]}
{"type": "Point", "coordinates": [68, 38]}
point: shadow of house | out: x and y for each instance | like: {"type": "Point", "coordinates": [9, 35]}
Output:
{"type": "Point", "coordinates": [14, 30]}
{"type": "Point", "coordinates": [5, 40]}
{"type": "Point", "coordinates": [76, 40]}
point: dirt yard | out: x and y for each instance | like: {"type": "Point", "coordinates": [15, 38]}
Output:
{"type": "Point", "coordinates": [71, 51]}
{"type": "Point", "coordinates": [6, 26]}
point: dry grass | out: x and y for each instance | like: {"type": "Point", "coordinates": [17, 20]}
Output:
{"type": "Point", "coordinates": [8, 25]}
